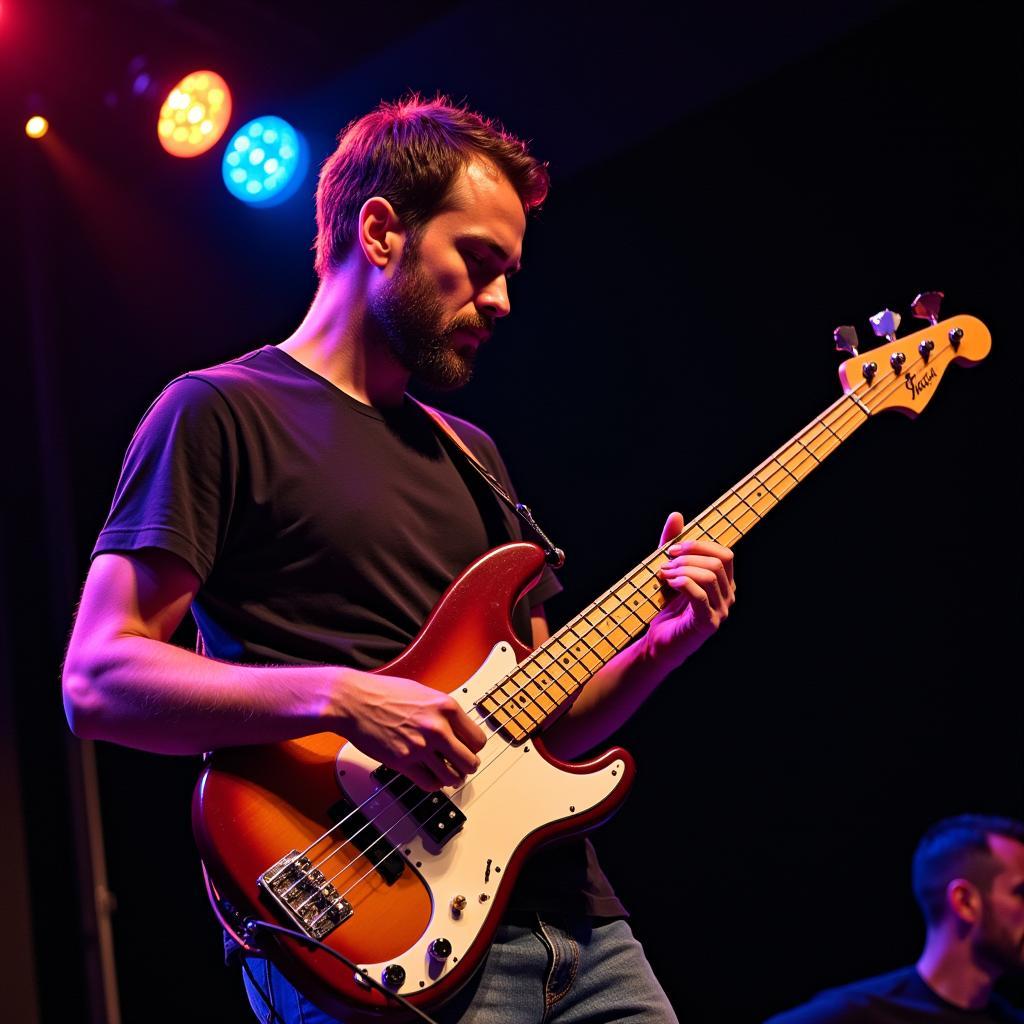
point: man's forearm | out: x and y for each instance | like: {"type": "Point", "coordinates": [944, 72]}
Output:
{"type": "Point", "coordinates": [142, 692]}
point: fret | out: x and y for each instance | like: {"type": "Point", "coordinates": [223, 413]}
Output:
{"type": "Point", "coordinates": [582, 649]}
{"type": "Point", "coordinates": [508, 714]}
{"type": "Point", "coordinates": [520, 706]}
{"type": "Point", "coordinates": [536, 692]}
{"type": "Point", "coordinates": [780, 479]}
{"type": "Point", "coordinates": [545, 661]}
{"type": "Point", "coordinates": [560, 689]}
{"type": "Point", "coordinates": [707, 525]}
{"type": "Point", "coordinates": [795, 463]}
{"type": "Point", "coordinates": [644, 606]}
{"type": "Point", "coordinates": [834, 431]}
{"type": "Point", "coordinates": [574, 669]}
{"type": "Point", "coordinates": [758, 496]}
{"type": "Point", "coordinates": [628, 619]}
{"type": "Point", "coordinates": [738, 511]}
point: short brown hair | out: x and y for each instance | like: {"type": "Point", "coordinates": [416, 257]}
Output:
{"type": "Point", "coordinates": [410, 153]}
{"type": "Point", "coordinates": [957, 848]}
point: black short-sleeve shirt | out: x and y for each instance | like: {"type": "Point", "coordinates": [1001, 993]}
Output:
{"type": "Point", "coordinates": [322, 530]}
{"type": "Point", "coordinates": [901, 997]}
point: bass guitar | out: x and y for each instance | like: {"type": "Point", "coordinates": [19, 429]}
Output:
{"type": "Point", "coordinates": [408, 887]}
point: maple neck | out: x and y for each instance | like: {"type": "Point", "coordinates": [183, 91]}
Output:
{"type": "Point", "coordinates": [552, 675]}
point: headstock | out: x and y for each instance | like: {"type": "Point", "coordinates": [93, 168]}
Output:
{"type": "Point", "coordinates": [904, 373]}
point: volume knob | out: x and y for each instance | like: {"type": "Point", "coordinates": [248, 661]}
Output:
{"type": "Point", "coordinates": [393, 976]}
{"type": "Point", "coordinates": [440, 949]}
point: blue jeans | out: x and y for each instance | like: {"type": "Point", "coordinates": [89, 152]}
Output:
{"type": "Point", "coordinates": [559, 971]}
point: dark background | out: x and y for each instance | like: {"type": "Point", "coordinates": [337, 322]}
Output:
{"type": "Point", "coordinates": [727, 188]}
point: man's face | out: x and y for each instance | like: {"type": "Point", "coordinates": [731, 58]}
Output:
{"type": "Point", "coordinates": [999, 939]}
{"type": "Point", "coordinates": [451, 283]}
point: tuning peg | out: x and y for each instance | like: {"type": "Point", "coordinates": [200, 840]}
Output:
{"type": "Point", "coordinates": [926, 306]}
{"type": "Point", "coordinates": [885, 324]}
{"type": "Point", "coordinates": [846, 339]}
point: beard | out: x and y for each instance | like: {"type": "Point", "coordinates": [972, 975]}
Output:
{"type": "Point", "coordinates": [997, 946]}
{"type": "Point", "coordinates": [406, 316]}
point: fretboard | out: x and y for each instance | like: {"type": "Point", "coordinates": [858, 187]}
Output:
{"type": "Point", "coordinates": [555, 672]}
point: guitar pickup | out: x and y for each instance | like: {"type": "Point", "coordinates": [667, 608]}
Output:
{"type": "Point", "coordinates": [437, 816]}
{"type": "Point", "coordinates": [368, 839]}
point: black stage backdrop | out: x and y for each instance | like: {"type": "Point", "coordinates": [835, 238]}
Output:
{"type": "Point", "coordinates": [715, 218]}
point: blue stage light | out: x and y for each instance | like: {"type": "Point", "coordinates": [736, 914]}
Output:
{"type": "Point", "coordinates": [265, 161]}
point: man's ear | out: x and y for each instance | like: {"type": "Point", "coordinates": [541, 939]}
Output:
{"type": "Point", "coordinates": [380, 232]}
{"type": "Point", "coordinates": [964, 900]}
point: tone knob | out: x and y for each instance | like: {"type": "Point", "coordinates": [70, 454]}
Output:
{"type": "Point", "coordinates": [393, 976]}
{"type": "Point", "coordinates": [440, 949]}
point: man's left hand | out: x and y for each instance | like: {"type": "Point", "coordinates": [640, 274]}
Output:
{"type": "Point", "coordinates": [701, 574]}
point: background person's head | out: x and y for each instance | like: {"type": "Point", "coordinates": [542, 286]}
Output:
{"type": "Point", "coordinates": [968, 879]}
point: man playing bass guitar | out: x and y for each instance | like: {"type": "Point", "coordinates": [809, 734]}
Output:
{"type": "Point", "coordinates": [311, 514]}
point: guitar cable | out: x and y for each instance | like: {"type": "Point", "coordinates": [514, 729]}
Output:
{"type": "Point", "coordinates": [253, 924]}
{"type": "Point", "coordinates": [241, 929]}
{"type": "Point", "coordinates": [268, 1001]}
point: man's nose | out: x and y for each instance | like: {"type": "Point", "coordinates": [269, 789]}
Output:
{"type": "Point", "coordinates": [493, 299]}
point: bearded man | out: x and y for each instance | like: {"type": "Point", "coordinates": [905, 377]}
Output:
{"type": "Point", "coordinates": [310, 514]}
{"type": "Point", "coordinates": [968, 879]}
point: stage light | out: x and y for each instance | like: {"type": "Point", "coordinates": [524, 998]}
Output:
{"type": "Point", "coordinates": [265, 161]}
{"type": "Point", "coordinates": [195, 114]}
{"type": "Point", "coordinates": [36, 127]}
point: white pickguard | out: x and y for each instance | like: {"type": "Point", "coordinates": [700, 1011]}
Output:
{"type": "Point", "coordinates": [513, 793]}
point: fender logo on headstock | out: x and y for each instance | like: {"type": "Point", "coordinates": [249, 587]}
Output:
{"type": "Point", "coordinates": [916, 387]}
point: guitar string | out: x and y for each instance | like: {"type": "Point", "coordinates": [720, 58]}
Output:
{"type": "Point", "coordinates": [841, 424]}
{"type": "Point", "coordinates": [898, 382]}
{"type": "Point", "coordinates": [622, 602]}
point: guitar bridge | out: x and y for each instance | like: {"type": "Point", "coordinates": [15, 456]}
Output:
{"type": "Point", "coordinates": [305, 896]}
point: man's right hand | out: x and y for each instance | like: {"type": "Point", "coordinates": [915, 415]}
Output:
{"type": "Point", "coordinates": [420, 732]}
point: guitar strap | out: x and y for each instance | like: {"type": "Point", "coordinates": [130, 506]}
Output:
{"type": "Point", "coordinates": [555, 556]}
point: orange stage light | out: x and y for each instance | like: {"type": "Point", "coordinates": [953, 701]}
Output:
{"type": "Point", "coordinates": [36, 127]}
{"type": "Point", "coordinates": [195, 114]}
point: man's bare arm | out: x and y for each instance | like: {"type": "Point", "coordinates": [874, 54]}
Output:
{"type": "Point", "coordinates": [125, 682]}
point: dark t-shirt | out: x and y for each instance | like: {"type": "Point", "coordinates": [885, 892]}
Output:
{"type": "Point", "coordinates": [323, 531]}
{"type": "Point", "coordinates": [902, 997]}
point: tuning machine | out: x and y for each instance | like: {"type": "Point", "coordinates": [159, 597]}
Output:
{"type": "Point", "coordinates": [886, 324]}
{"type": "Point", "coordinates": [846, 339]}
{"type": "Point", "coordinates": [927, 305]}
